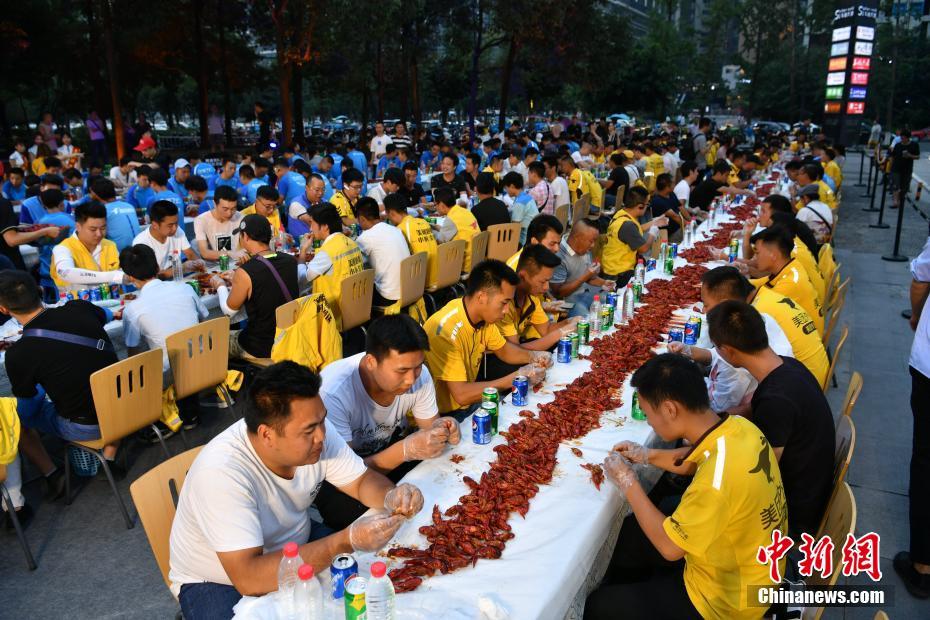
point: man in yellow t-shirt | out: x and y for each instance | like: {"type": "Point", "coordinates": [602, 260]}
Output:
{"type": "Point", "coordinates": [463, 330]}
{"type": "Point", "coordinates": [813, 174]}
{"type": "Point", "coordinates": [266, 203]}
{"type": "Point", "coordinates": [545, 230]}
{"type": "Point", "coordinates": [576, 183]}
{"type": "Point", "coordinates": [773, 247]}
{"type": "Point", "coordinates": [416, 231]}
{"type": "Point", "coordinates": [627, 238]}
{"type": "Point", "coordinates": [459, 222]}
{"type": "Point", "coordinates": [337, 258]}
{"type": "Point", "coordinates": [344, 200]}
{"type": "Point", "coordinates": [731, 508]}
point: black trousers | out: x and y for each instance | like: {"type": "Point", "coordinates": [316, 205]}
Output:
{"type": "Point", "coordinates": [339, 510]}
{"type": "Point", "coordinates": [640, 583]}
{"type": "Point", "coordinates": [189, 407]}
{"type": "Point", "coordinates": [919, 489]}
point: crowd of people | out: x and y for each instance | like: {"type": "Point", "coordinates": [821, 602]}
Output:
{"type": "Point", "coordinates": [750, 404]}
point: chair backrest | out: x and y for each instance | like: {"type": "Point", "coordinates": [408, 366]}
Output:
{"type": "Point", "coordinates": [839, 523]}
{"type": "Point", "coordinates": [852, 393]}
{"type": "Point", "coordinates": [598, 248]}
{"type": "Point", "coordinates": [286, 314]}
{"type": "Point", "coordinates": [843, 447]}
{"type": "Point", "coordinates": [503, 240]}
{"type": "Point", "coordinates": [581, 208]}
{"type": "Point", "coordinates": [199, 356]}
{"type": "Point", "coordinates": [836, 355]}
{"type": "Point", "coordinates": [155, 502]}
{"type": "Point", "coordinates": [838, 293]}
{"type": "Point", "coordinates": [355, 298]}
{"type": "Point", "coordinates": [127, 395]}
{"type": "Point", "coordinates": [479, 249]}
{"type": "Point", "coordinates": [451, 255]}
{"type": "Point", "coordinates": [413, 278]}
{"type": "Point", "coordinates": [832, 319]}
{"type": "Point", "coordinates": [561, 214]}
{"type": "Point", "coordinates": [621, 194]}
{"type": "Point", "coordinates": [880, 615]}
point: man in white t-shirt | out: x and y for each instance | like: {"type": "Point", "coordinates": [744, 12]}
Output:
{"type": "Point", "coordinates": [816, 214]}
{"type": "Point", "coordinates": [682, 191]}
{"type": "Point", "coordinates": [385, 247]}
{"type": "Point", "coordinates": [556, 183]}
{"type": "Point", "coordinates": [582, 157]}
{"type": "Point", "coordinates": [249, 491]}
{"type": "Point", "coordinates": [213, 230]}
{"type": "Point", "coordinates": [379, 142]}
{"type": "Point", "coordinates": [165, 236]}
{"type": "Point", "coordinates": [392, 182]}
{"type": "Point", "coordinates": [369, 398]}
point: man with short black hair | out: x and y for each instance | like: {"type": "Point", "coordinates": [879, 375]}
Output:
{"type": "Point", "coordinates": [546, 230]}
{"type": "Point", "coordinates": [557, 184]}
{"type": "Point", "coordinates": [731, 508]}
{"type": "Point", "coordinates": [682, 191]}
{"type": "Point", "coordinates": [412, 191]}
{"type": "Point", "coordinates": [346, 199]}
{"type": "Point", "coordinates": [903, 156]}
{"type": "Point", "coordinates": [392, 182]}
{"type": "Point", "coordinates": [539, 188]}
{"type": "Point", "coordinates": [416, 231]}
{"type": "Point", "coordinates": [197, 190]}
{"type": "Point", "coordinates": [664, 202]}
{"type": "Point", "coordinates": [298, 211]}
{"type": "Point", "coordinates": [490, 210]}
{"type": "Point", "coordinates": [337, 258]}
{"type": "Point", "coordinates": [86, 258]}
{"type": "Point", "coordinates": [158, 178]}
{"type": "Point", "coordinates": [10, 235]}
{"type": "Point", "coordinates": [627, 238]}
{"type": "Point", "coordinates": [167, 239]}
{"type": "Point", "coordinates": [714, 186]}
{"type": "Point", "coordinates": [266, 205]}
{"type": "Point", "coordinates": [250, 489]}
{"type": "Point", "coordinates": [617, 179]}
{"type": "Point", "coordinates": [385, 247]}
{"type": "Point", "coordinates": [773, 247]}
{"type": "Point", "coordinates": [788, 406]}
{"type": "Point", "coordinates": [459, 222]}
{"type": "Point", "coordinates": [213, 230]}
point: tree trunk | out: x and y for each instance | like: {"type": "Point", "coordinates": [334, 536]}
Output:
{"type": "Point", "coordinates": [114, 79]}
{"type": "Point", "coordinates": [415, 86]}
{"type": "Point", "coordinates": [506, 76]}
{"type": "Point", "coordinates": [284, 78]}
{"type": "Point", "coordinates": [380, 80]}
{"type": "Point", "coordinates": [227, 92]}
{"type": "Point", "coordinates": [201, 73]}
{"type": "Point", "coordinates": [100, 102]}
{"type": "Point", "coordinates": [473, 73]}
{"type": "Point", "coordinates": [297, 89]}
{"type": "Point", "coordinates": [404, 76]}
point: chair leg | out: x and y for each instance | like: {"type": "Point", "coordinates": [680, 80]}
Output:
{"type": "Point", "coordinates": [119, 498]}
{"type": "Point", "coordinates": [228, 399]}
{"type": "Point", "coordinates": [8, 501]}
{"type": "Point", "coordinates": [161, 440]}
{"type": "Point", "coordinates": [67, 477]}
{"type": "Point", "coordinates": [183, 434]}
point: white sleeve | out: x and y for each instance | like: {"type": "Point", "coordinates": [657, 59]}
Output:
{"type": "Point", "coordinates": [199, 233]}
{"type": "Point", "coordinates": [726, 385]}
{"type": "Point", "coordinates": [339, 413]}
{"type": "Point", "coordinates": [132, 335]}
{"type": "Point", "coordinates": [320, 265]}
{"type": "Point", "coordinates": [920, 266]}
{"type": "Point", "coordinates": [202, 311]}
{"type": "Point", "coordinates": [447, 232]}
{"type": "Point", "coordinates": [222, 295]}
{"type": "Point", "coordinates": [295, 210]}
{"type": "Point", "coordinates": [71, 274]}
{"type": "Point", "coordinates": [576, 156]}
{"type": "Point", "coordinates": [425, 407]}
{"type": "Point", "coordinates": [778, 341]}
{"type": "Point", "coordinates": [183, 243]}
{"type": "Point", "coordinates": [342, 466]}
{"type": "Point", "coordinates": [226, 510]}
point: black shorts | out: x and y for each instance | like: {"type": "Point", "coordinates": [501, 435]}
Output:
{"type": "Point", "coordinates": [902, 181]}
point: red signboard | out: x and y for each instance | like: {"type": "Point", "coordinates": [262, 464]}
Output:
{"type": "Point", "coordinates": [838, 64]}
{"type": "Point", "coordinates": [832, 107]}
{"type": "Point", "coordinates": [861, 63]}
{"type": "Point", "coordinates": [855, 107]}
{"type": "Point", "coordinates": [859, 79]}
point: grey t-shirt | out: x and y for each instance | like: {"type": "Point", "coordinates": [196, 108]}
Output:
{"type": "Point", "coordinates": [571, 268]}
{"type": "Point", "coordinates": [700, 143]}
{"type": "Point", "coordinates": [629, 234]}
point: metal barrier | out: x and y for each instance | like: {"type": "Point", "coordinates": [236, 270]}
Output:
{"type": "Point", "coordinates": [179, 142]}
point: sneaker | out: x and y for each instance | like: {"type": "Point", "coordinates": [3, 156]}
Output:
{"type": "Point", "coordinates": [918, 584]}
{"type": "Point", "coordinates": [24, 515]}
{"type": "Point", "coordinates": [55, 485]}
{"type": "Point", "coordinates": [148, 435]}
{"type": "Point", "coordinates": [191, 423]}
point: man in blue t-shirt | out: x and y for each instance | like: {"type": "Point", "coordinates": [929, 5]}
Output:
{"type": "Point", "coordinates": [430, 160]}
{"type": "Point", "coordinates": [388, 160]}
{"type": "Point", "coordinates": [323, 168]}
{"type": "Point", "coordinates": [200, 196]}
{"type": "Point", "coordinates": [32, 209]}
{"type": "Point", "coordinates": [182, 172]}
{"type": "Point", "coordinates": [122, 219]}
{"type": "Point", "coordinates": [158, 179]}
{"type": "Point", "coordinates": [249, 183]}
{"type": "Point", "coordinates": [54, 203]}
{"type": "Point", "coordinates": [357, 158]}
{"type": "Point", "coordinates": [140, 194]}
{"type": "Point", "coordinates": [204, 170]}
{"type": "Point", "coordinates": [290, 184]}
{"type": "Point", "coordinates": [227, 175]}
{"type": "Point", "coordinates": [14, 189]}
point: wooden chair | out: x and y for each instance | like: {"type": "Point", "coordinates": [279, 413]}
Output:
{"type": "Point", "coordinates": [840, 521]}
{"type": "Point", "coordinates": [838, 294]}
{"type": "Point", "coordinates": [412, 280]}
{"type": "Point", "coordinates": [843, 448]}
{"type": "Point", "coordinates": [832, 284]}
{"type": "Point", "coordinates": [852, 394]}
{"type": "Point", "coordinates": [598, 248]}
{"type": "Point", "coordinates": [503, 240]}
{"type": "Point", "coordinates": [284, 317]}
{"type": "Point", "coordinates": [127, 397]}
{"type": "Point", "coordinates": [835, 308]}
{"type": "Point", "coordinates": [561, 214]}
{"type": "Point", "coordinates": [581, 208]}
{"type": "Point", "coordinates": [155, 495]}
{"type": "Point", "coordinates": [451, 255]}
{"type": "Point", "coordinates": [355, 299]}
{"type": "Point", "coordinates": [880, 615]}
{"type": "Point", "coordinates": [479, 251]}
{"type": "Point", "coordinates": [836, 355]}
{"type": "Point", "coordinates": [199, 358]}
{"type": "Point", "coordinates": [8, 502]}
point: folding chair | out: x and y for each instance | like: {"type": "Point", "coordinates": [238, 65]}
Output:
{"type": "Point", "coordinates": [843, 448]}
{"type": "Point", "coordinates": [355, 299]}
{"type": "Point", "coordinates": [199, 358]}
{"type": "Point", "coordinates": [836, 355]}
{"type": "Point", "coordinates": [8, 502]}
{"type": "Point", "coordinates": [451, 255]}
{"type": "Point", "coordinates": [479, 252]}
{"type": "Point", "coordinates": [852, 393]}
{"type": "Point", "coordinates": [503, 240]}
{"type": "Point", "coordinates": [840, 521]}
{"type": "Point", "coordinates": [284, 316]}
{"type": "Point", "coordinates": [412, 281]}
{"type": "Point", "coordinates": [561, 214]}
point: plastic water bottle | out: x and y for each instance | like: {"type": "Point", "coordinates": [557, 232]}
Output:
{"type": "Point", "coordinates": [594, 315]}
{"type": "Point", "coordinates": [308, 595]}
{"type": "Point", "coordinates": [287, 578]}
{"type": "Point", "coordinates": [379, 597]}
{"type": "Point", "coordinates": [177, 270]}
{"type": "Point", "coordinates": [640, 272]}
{"type": "Point", "coordinates": [629, 303]}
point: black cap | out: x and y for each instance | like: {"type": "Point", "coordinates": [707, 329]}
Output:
{"type": "Point", "coordinates": [256, 226]}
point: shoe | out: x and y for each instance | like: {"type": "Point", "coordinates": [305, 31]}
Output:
{"type": "Point", "coordinates": [148, 435]}
{"type": "Point", "coordinates": [118, 471]}
{"type": "Point", "coordinates": [918, 584]}
{"type": "Point", "coordinates": [191, 423]}
{"type": "Point", "coordinates": [24, 515]}
{"type": "Point", "coordinates": [55, 485]}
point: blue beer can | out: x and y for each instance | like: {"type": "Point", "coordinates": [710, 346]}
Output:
{"type": "Point", "coordinates": [564, 352]}
{"type": "Point", "coordinates": [650, 264]}
{"type": "Point", "coordinates": [481, 424]}
{"type": "Point", "coordinates": [691, 332]}
{"type": "Point", "coordinates": [342, 567]}
{"type": "Point", "coordinates": [673, 250]}
{"type": "Point", "coordinates": [612, 298]}
{"type": "Point", "coordinates": [676, 334]}
{"type": "Point", "coordinates": [95, 294]}
{"type": "Point", "coordinates": [521, 391]}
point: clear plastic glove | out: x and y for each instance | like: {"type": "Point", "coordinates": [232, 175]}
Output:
{"type": "Point", "coordinates": [750, 225]}
{"type": "Point", "coordinates": [451, 427]}
{"type": "Point", "coordinates": [217, 281]}
{"type": "Point", "coordinates": [534, 374]}
{"type": "Point", "coordinates": [404, 499]}
{"type": "Point", "coordinates": [542, 359]}
{"type": "Point", "coordinates": [660, 221]}
{"type": "Point", "coordinates": [372, 533]}
{"type": "Point", "coordinates": [427, 444]}
{"type": "Point", "coordinates": [570, 326]}
{"type": "Point", "coordinates": [633, 452]}
{"type": "Point", "coordinates": [609, 285]}
{"type": "Point", "coordinates": [652, 233]}
{"type": "Point", "coordinates": [620, 471]}
{"type": "Point", "coordinates": [592, 270]}
{"type": "Point", "coordinates": [680, 348]}
{"type": "Point", "coordinates": [191, 266]}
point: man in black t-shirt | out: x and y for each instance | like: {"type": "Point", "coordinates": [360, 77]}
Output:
{"type": "Point", "coordinates": [788, 406]}
{"type": "Point", "coordinates": [664, 202]}
{"type": "Point", "coordinates": [490, 210]}
{"type": "Point", "coordinates": [448, 177]}
{"type": "Point", "coordinates": [617, 178]}
{"type": "Point", "coordinates": [264, 282]}
{"type": "Point", "coordinates": [902, 165]}
{"type": "Point", "coordinates": [715, 185]}
{"type": "Point", "coordinates": [412, 191]}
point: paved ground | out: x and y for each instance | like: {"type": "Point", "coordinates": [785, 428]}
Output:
{"type": "Point", "coordinates": [91, 566]}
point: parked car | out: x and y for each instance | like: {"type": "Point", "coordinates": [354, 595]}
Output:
{"type": "Point", "coordinates": [921, 134]}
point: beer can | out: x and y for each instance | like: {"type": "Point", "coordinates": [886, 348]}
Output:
{"type": "Point", "coordinates": [637, 291]}
{"type": "Point", "coordinates": [676, 334]}
{"type": "Point", "coordinates": [650, 264]}
{"type": "Point", "coordinates": [355, 597]}
{"type": "Point", "coordinates": [115, 291]}
{"type": "Point", "coordinates": [564, 353]}
{"type": "Point", "coordinates": [342, 568]}
{"type": "Point", "coordinates": [584, 331]}
{"type": "Point", "coordinates": [691, 332]}
{"type": "Point", "coordinates": [83, 294]}
{"type": "Point", "coordinates": [521, 391]}
{"type": "Point", "coordinates": [669, 264]}
{"type": "Point", "coordinates": [673, 250]}
{"type": "Point", "coordinates": [607, 317]}
{"type": "Point", "coordinates": [699, 322]}
{"type": "Point", "coordinates": [481, 424]}
{"type": "Point", "coordinates": [576, 341]}
{"type": "Point", "coordinates": [194, 284]}
{"type": "Point", "coordinates": [104, 291]}
{"type": "Point", "coordinates": [612, 298]}
{"type": "Point", "coordinates": [636, 412]}
{"type": "Point", "coordinates": [95, 294]}
{"type": "Point", "coordinates": [224, 262]}
{"type": "Point", "coordinates": [490, 395]}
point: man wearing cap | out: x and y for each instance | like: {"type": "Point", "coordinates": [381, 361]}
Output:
{"type": "Point", "coordinates": [148, 154]}
{"type": "Point", "coordinates": [816, 214]}
{"type": "Point", "coordinates": [264, 282]}
{"type": "Point", "coordinates": [182, 170]}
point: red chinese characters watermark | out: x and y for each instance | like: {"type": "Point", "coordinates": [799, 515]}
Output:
{"type": "Point", "coordinates": [859, 555]}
